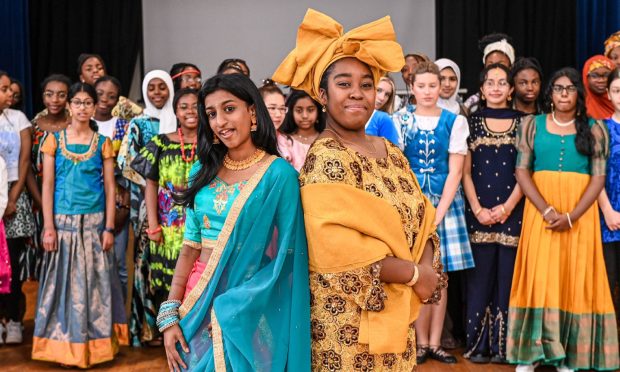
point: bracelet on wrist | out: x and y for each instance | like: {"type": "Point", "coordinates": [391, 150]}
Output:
{"type": "Point", "coordinates": [415, 277]}
{"type": "Point", "coordinates": [549, 209]}
{"type": "Point", "coordinates": [501, 206]}
{"type": "Point", "coordinates": [109, 230]}
{"type": "Point", "coordinates": [154, 231]}
{"type": "Point", "coordinates": [477, 212]}
{"type": "Point", "coordinates": [570, 223]}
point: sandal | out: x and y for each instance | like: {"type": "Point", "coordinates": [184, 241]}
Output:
{"type": "Point", "coordinates": [421, 354]}
{"type": "Point", "coordinates": [439, 354]}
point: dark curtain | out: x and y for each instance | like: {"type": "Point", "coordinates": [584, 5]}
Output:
{"type": "Point", "coordinates": [542, 29]}
{"type": "Point", "coordinates": [60, 30]}
{"type": "Point", "coordinates": [14, 42]}
{"type": "Point", "coordinates": [596, 20]}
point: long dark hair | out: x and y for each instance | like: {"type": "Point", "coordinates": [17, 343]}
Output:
{"type": "Point", "coordinates": [90, 90]}
{"type": "Point", "coordinates": [584, 140]}
{"type": "Point", "coordinates": [288, 124]}
{"type": "Point", "coordinates": [210, 155]}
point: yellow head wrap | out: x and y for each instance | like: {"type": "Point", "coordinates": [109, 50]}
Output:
{"type": "Point", "coordinates": [612, 42]}
{"type": "Point", "coordinates": [320, 42]}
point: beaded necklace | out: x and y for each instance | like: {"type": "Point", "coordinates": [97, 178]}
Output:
{"type": "Point", "coordinates": [193, 152]}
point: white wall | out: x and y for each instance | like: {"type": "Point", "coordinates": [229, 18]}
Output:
{"type": "Point", "coordinates": [262, 32]}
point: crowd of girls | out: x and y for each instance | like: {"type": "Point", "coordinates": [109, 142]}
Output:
{"type": "Point", "coordinates": [317, 224]}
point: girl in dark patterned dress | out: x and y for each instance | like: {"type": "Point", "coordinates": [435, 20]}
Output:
{"type": "Point", "coordinates": [494, 211]}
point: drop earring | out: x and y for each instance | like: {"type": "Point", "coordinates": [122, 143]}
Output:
{"type": "Point", "coordinates": [215, 139]}
{"type": "Point", "coordinates": [253, 127]}
{"type": "Point", "coordinates": [324, 109]}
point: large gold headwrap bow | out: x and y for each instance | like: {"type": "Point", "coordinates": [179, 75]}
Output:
{"type": "Point", "coordinates": [320, 42]}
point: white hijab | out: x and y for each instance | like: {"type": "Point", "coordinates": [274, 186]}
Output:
{"type": "Point", "coordinates": [451, 104]}
{"type": "Point", "coordinates": [167, 119]}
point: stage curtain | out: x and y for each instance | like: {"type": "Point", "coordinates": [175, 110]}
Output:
{"type": "Point", "coordinates": [14, 42]}
{"type": "Point", "coordinates": [542, 29]}
{"type": "Point", "coordinates": [60, 30]}
{"type": "Point", "coordinates": [596, 20]}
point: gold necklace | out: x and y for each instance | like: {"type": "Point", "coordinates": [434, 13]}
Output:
{"type": "Point", "coordinates": [374, 149]}
{"type": "Point", "coordinates": [235, 165]}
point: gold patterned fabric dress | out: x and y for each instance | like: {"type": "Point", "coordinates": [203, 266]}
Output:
{"type": "Point", "coordinates": [352, 311]}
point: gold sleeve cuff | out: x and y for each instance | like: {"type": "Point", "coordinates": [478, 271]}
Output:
{"type": "Point", "coordinates": [192, 244]}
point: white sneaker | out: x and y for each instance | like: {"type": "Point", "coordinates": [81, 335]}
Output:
{"type": "Point", "coordinates": [525, 368]}
{"type": "Point", "coordinates": [2, 330]}
{"type": "Point", "coordinates": [564, 369]}
{"type": "Point", "coordinates": [13, 332]}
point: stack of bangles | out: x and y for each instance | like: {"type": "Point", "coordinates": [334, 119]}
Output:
{"type": "Point", "coordinates": [168, 314]}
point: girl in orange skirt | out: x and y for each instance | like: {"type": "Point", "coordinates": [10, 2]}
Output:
{"type": "Point", "coordinates": [561, 312]}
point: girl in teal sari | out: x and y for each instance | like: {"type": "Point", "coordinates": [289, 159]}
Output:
{"type": "Point", "coordinates": [240, 296]}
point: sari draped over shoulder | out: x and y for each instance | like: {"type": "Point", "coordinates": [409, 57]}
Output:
{"type": "Point", "coordinates": [357, 211]}
{"type": "Point", "coordinates": [254, 289]}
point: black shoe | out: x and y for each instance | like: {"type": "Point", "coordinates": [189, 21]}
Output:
{"type": "Point", "coordinates": [479, 358]}
{"type": "Point", "coordinates": [421, 354]}
{"type": "Point", "coordinates": [439, 354]}
{"type": "Point", "coordinates": [496, 359]}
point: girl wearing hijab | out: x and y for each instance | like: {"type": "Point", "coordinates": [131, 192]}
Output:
{"type": "Point", "coordinates": [450, 80]}
{"type": "Point", "coordinates": [158, 118]}
{"type": "Point", "coordinates": [595, 72]}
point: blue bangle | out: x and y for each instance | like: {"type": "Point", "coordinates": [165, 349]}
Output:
{"type": "Point", "coordinates": [109, 229]}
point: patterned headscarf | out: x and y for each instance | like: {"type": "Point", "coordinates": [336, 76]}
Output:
{"type": "Point", "coordinates": [612, 42]}
{"type": "Point", "coordinates": [321, 42]}
{"type": "Point", "coordinates": [598, 105]}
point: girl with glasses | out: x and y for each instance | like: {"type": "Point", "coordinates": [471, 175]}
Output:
{"type": "Point", "coordinates": [560, 310]}
{"type": "Point", "coordinates": [80, 316]}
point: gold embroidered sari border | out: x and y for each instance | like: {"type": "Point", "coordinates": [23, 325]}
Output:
{"type": "Point", "coordinates": [218, 344]}
{"type": "Point", "coordinates": [222, 240]}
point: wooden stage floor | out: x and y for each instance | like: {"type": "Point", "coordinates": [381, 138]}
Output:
{"type": "Point", "coordinates": [17, 358]}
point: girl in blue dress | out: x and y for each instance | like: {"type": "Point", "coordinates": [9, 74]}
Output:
{"type": "Point", "coordinates": [609, 200]}
{"type": "Point", "coordinates": [239, 298]}
{"type": "Point", "coordinates": [80, 317]}
{"type": "Point", "coordinates": [435, 143]}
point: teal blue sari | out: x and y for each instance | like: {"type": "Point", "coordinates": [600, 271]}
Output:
{"type": "Point", "coordinates": [254, 290]}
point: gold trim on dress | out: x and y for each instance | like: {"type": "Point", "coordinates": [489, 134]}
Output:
{"type": "Point", "coordinates": [480, 237]}
{"type": "Point", "coordinates": [76, 158]}
{"type": "Point", "coordinates": [192, 244]}
{"type": "Point", "coordinates": [222, 239]}
{"type": "Point", "coordinates": [218, 344]}
{"type": "Point", "coordinates": [492, 141]}
{"type": "Point", "coordinates": [208, 243]}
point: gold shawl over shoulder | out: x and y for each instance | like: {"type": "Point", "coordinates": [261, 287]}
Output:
{"type": "Point", "coordinates": [348, 228]}
{"type": "Point", "coordinates": [320, 42]}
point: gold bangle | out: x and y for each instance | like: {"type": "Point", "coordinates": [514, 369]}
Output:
{"type": "Point", "coordinates": [414, 278]}
{"type": "Point", "coordinates": [549, 209]}
{"type": "Point", "coordinates": [476, 213]}
{"type": "Point", "coordinates": [570, 223]}
{"type": "Point", "coordinates": [503, 209]}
